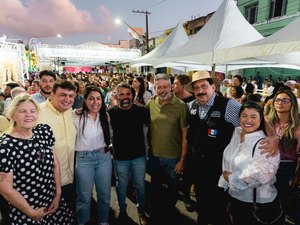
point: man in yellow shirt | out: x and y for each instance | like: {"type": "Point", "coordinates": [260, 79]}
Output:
{"type": "Point", "coordinates": [57, 113]}
{"type": "Point", "coordinates": [4, 124]}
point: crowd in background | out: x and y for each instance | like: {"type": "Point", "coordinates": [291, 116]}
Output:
{"type": "Point", "coordinates": [104, 125]}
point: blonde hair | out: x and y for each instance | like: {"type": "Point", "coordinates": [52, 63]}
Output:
{"type": "Point", "coordinates": [294, 121]}
{"type": "Point", "coordinates": [19, 99]}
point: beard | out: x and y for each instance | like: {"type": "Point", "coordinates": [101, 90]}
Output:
{"type": "Point", "coordinates": [45, 92]}
{"type": "Point", "coordinates": [125, 103]}
{"type": "Point", "coordinates": [164, 96]}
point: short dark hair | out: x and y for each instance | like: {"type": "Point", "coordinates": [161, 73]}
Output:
{"type": "Point", "coordinates": [183, 79]}
{"type": "Point", "coordinates": [12, 85]}
{"type": "Point", "coordinates": [148, 77]}
{"type": "Point", "coordinates": [67, 85]}
{"type": "Point", "coordinates": [240, 78]}
{"type": "Point", "coordinates": [249, 88]}
{"type": "Point", "coordinates": [47, 73]}
{"type": "Point", "coordinates": [252, 97]}
{"type": "Point", "coordinates": [239, 91]}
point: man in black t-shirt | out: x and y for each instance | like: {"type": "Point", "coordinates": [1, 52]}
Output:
{"type": "Point", "coordinates": [128, 123]}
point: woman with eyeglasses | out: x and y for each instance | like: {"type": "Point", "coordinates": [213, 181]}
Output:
{"type": "Point", "coordinates": [284, 118]}
{"type": "Point", "coordinates": [30, 179]}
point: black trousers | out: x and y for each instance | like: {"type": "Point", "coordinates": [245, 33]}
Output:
{"type": "Point", "coordinates": [4, 208]}
{"type": "Point", "coordinates": [212, 201]}
{"type": "Point", "coordinates": [212, 204]}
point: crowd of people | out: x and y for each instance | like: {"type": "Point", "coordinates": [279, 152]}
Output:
{"type": "Point", "coordinates": [224, 140]}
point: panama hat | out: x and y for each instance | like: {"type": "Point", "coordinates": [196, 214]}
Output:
{"type": "Point", "coordinates": [200, 75]}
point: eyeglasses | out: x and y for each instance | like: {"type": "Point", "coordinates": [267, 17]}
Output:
{"type": "Point", "coordinates": [203, 87]}
{"type": "Point", "coordinates": [282, 100]}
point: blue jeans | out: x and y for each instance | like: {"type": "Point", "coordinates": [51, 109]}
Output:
{"type": "Point", "coordinates": [136, 170]}
{"type": "Point", "coordinates": [93, 167]}
{"type": "Point", "coordinates": [162, 170]}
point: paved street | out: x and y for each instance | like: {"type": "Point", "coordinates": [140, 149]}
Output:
{"type": "Point", "coordinates": [178, 217]}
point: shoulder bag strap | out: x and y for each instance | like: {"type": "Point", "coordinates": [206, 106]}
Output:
{"type": "Point", "coordinates": [254, 189]}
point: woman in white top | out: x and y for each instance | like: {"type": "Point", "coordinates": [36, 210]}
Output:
{"type": "Point", "coordinates": [93, 159]}
{"type": "Point", "coordinates": [242, 172]}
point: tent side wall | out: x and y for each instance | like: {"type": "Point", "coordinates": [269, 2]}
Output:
{"type": "Point", "coordinates": [275, 72]}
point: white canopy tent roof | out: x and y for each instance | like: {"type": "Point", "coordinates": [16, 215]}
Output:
{"type": "Point", "coordinates": [283, 47]}
{"type": "Point", "coordinates": [86, 54]}
{"type": "Point", "coordinates": [233, 65]}
{"type": "Point", "coordinates": [292, 58]}
{"type": "Point", "coordinates": [226, 28]}
{"type": "Point", "coordinates": [175, 40]}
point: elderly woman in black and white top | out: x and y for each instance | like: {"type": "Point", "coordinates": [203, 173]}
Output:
{"type": "Point", "coordinates": [30, 179]}
{"type": "Point", "coordinates": [242, 172]}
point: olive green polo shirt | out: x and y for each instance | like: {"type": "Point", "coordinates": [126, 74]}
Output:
{"type": "Point", "coordinates": [165, 125]}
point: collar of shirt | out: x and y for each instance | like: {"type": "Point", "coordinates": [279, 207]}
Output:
{"type": "Point", "coordinates": [209, 103]}
{"type": "Point", "coordinates": [173, 100]}
{"type": "Point", "coordinates": [40, 96]}
{"type": "Point", "coordinates": [204, 109]}
{"type": "Point", "coordinates": [51, 107]}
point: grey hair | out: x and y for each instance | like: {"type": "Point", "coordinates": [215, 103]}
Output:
{"type": "Point", "coordinates": [122, 85]}
{"type": "Point", "coordinates": [162, 76]}
{"type": "Point", "coordinates": [16, 91]}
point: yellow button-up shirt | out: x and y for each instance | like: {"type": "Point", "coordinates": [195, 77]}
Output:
{"type": "Point", "coordinates": [4, 124]}
{"type": "Point", "coordinates": [64, 131]}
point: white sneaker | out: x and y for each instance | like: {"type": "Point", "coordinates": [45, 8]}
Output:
{"type": "Point", "coordinates": [106, 223]}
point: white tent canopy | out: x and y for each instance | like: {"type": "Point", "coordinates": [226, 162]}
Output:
{"type": "Point", "coordinates": [226, 28]}
{"type": "Point", "coordinates": [233, 65]}
{"type": "Point", "coordinates": [292, 58]}
{"type": "Point", "coordinates": [176, 39]}
{"type": "Point", "coordinates": [281, 47]}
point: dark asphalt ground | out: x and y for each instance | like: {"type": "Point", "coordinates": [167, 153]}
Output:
{"type": "Point", "coordinates": [165, 216]}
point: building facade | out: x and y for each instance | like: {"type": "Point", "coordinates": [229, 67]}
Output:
{"type": "Point", "coordinates": [269, 16]}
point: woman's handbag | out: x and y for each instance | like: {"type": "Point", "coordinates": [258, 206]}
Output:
{"type": "Point", "coordinates": [266, 213]}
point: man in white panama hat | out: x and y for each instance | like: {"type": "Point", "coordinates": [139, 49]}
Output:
{"type": "Point", "coordinates": [212, 121]}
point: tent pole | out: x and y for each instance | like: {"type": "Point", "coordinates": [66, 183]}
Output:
{"type": "Point", "coordinates": [213, 68]}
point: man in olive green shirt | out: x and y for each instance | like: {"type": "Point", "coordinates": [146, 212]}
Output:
{"type": "Point", "coordinates": [168, 126]}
